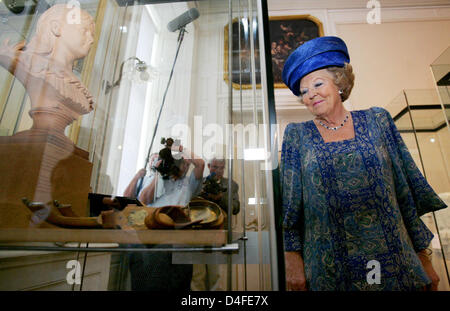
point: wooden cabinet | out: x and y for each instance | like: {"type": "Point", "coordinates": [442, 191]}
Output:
{"type": "Point", "coordinates": [42, 271]}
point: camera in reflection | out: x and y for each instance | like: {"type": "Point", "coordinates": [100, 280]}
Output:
{"type": "Point", "coordinates": [168, 166]}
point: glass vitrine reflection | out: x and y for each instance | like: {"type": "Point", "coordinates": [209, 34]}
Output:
{"type": "Point", "coordinates": [423, 125]}
{"type": "Point", "coordinates": [127, 71]}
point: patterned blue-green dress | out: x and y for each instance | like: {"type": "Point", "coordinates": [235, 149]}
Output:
{"type": "Point", "coordinates": [349, 202]}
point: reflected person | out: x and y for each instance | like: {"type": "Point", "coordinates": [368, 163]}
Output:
{"type": "Point", "coordinates": [217, 168]}
{"type": "Point", "coordinates": [154, 271]}
{"type": "Point", "coordinates": [207, 276]}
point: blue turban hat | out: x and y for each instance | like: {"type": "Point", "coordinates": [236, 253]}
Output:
{"type": "Point", "coordinates": [313, 55]}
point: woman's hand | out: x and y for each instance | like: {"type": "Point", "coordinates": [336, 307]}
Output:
{"type": "Point", "coordinates": [295, 272]}
{"type": "Point", "coordinates": [428, 267]}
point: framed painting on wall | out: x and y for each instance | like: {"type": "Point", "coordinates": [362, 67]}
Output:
{"type": "Point", "coordinates": [245, 62]}
{"type": "Point", "coordinates": [286, 34]}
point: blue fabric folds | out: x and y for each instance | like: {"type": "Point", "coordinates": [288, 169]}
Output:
{"type": "Point", "coordinates": [349, 202]}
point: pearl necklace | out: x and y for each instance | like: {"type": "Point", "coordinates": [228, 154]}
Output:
{"type": "Point", "coordinates": [334, 128]}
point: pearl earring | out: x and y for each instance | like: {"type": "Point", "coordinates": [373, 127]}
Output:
{"type": "Point", "coordinates": [340, 92]}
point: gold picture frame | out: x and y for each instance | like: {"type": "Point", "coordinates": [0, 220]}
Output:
{"type": "Point", "coordinates": [286, 34]}
{"type": "Point", "coordinates": [241, 68]}
{"type": "Point", "coordinates": [293, 30]}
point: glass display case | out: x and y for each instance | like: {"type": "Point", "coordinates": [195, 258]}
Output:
{"type": "Point", "coordinates": [422, 120]}
{"type": "Point", "coordinates": [83, 109]}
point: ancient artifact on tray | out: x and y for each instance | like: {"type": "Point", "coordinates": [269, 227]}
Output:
{"type": "Point", "coordinates": [169, 217]}
{"type": "Point", "coordinates": [199, 214]}
{"type": "Point", "coordinates": [210, 214]}
{"type": "Point", "coordinates": [204, 215]}
{"type": "Point", "coordinates": [56, 214]}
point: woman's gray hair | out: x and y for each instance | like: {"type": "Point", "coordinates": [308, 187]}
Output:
{"type": "Point", "coordinates": [344, 79]}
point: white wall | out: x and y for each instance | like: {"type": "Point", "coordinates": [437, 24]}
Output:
{"type": "Point", "coordinates": [386, 57]}
{"type": "Point", "coordinates": [210, 92]}
{"type": "Point", "coordinates": [136, 108]}
{"type": "Point", "coordinates": [157, 47]}
{"type": "Point", "coordinates": [390, 57]}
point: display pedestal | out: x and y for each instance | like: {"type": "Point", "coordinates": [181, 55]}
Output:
{"type": "Point", "coordinates": [144, 236]}
{"type": "Point", "coordinates": [41, 167]}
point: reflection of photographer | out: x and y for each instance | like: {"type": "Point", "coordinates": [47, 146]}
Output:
{"type": "Point", "coordinates": [167, 165]}
{"type": "Point", "coordinates": [212, 189]}
{"type": "Point", "coordinates": [168, 185]}
{"type": "Point", "coordinates": [215, 187]}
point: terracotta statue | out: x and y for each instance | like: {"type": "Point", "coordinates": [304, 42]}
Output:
{"type": "Point", "coordinates": [44, 66]}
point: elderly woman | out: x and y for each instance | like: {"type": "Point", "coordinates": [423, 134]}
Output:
{"type": "Point", "coordinates": [352, 195]}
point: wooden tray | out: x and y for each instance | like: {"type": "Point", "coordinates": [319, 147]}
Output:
{"type": "Point", "coordinates": [187, 237]}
